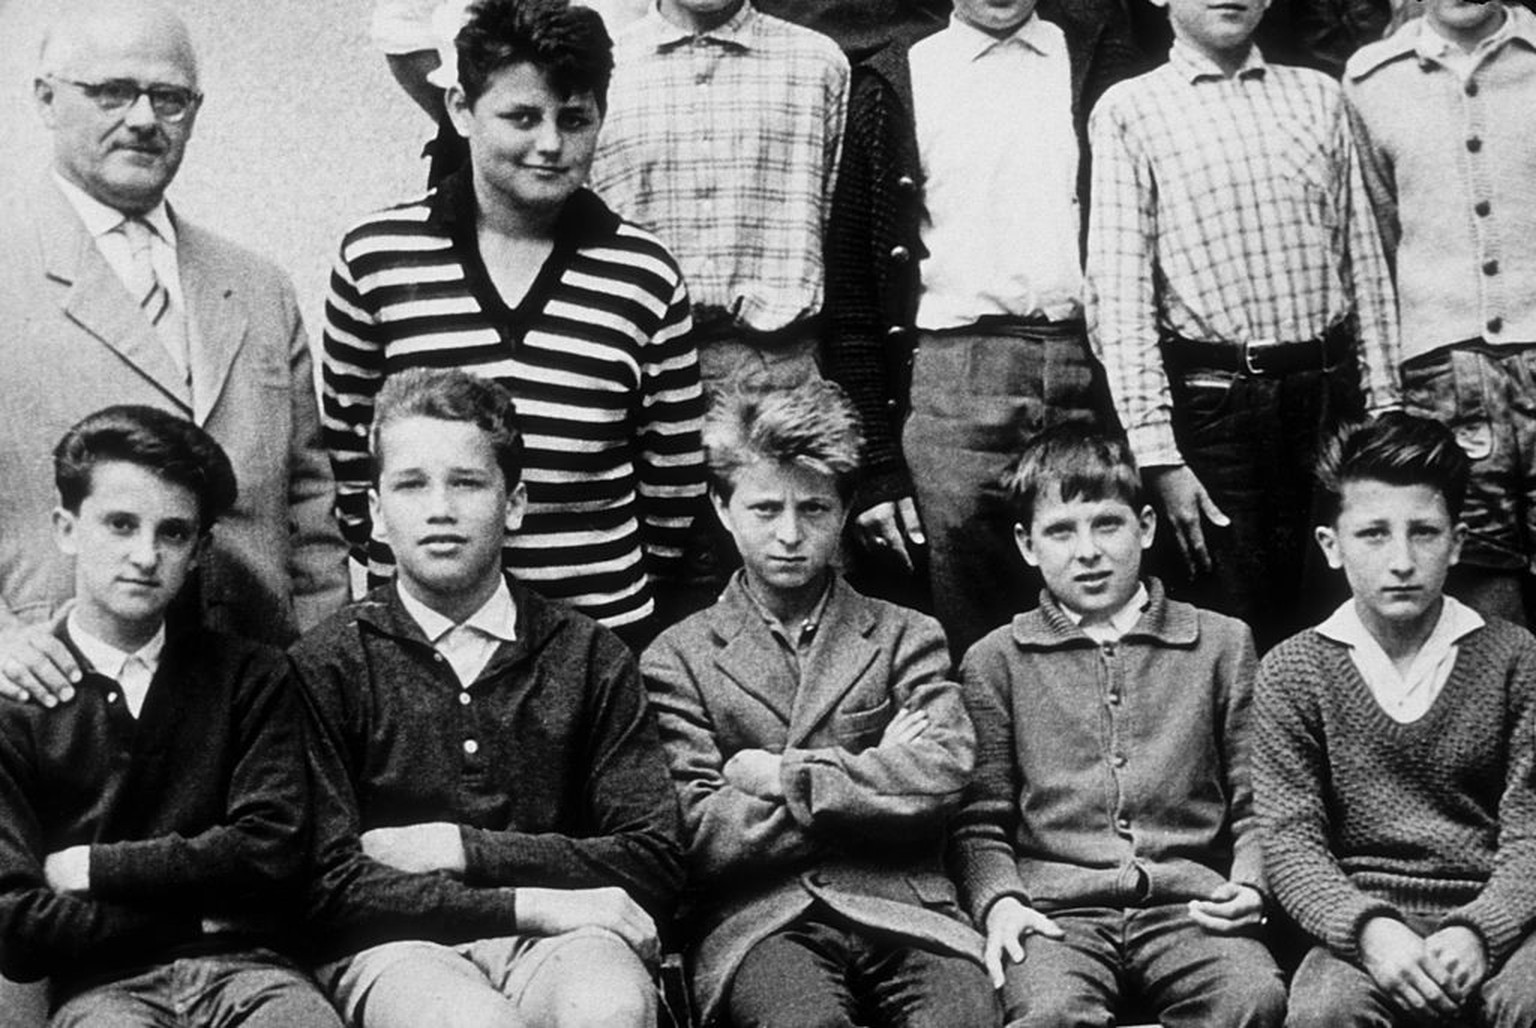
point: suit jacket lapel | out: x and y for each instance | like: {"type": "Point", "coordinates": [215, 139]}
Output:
{"type": "Point", "coordinates": [742, 658]}
{"type": "Point", "coordinates": [840, 656]}
{"type": "Point", "coordinates": [217, 318]}
{"type": "Point", "coordinates": [94, 298]}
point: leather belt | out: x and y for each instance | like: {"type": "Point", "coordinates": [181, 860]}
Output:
{"type": "Point", "coordinates": [1261, 356]}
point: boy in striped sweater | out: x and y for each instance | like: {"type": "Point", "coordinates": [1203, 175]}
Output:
{"type": "Point", "coordinates": [1394, 753]}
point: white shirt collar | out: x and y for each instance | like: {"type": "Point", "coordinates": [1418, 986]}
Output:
{"type": "Point", "coordinates": [1456, 620]}
{"type": "Point", "coordinates": [106, 659]}
{"type": "Point", "coordinates": [1119, 623]}
{"type": "Point", "coordinates": [1405, 696]}
{"type": "Point", "coordinates": [971, 43]}
{"type": "Point", "coordinates": [99, 218]}
{"type": "Point", "coordinates": [497, 616]}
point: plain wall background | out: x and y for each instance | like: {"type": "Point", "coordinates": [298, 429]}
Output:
{"type": "Point", "coordinates": [302, 131]}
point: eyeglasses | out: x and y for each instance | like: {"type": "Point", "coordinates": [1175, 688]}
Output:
{"type": "Point", "coordinates": [170, 103]}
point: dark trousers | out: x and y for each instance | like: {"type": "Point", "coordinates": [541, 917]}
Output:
{"type": "Point", "coordinates": [1330, 992]}
{"type": "Point", "coordinates": [817, 973]}
{"type": "Point", "coordinates": [977, 396]}
{"type": "Point", "coordinates": [1253, 443]}
{"type": "Point", "coordinates": [1172, 967]}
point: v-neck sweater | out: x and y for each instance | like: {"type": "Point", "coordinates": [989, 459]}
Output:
{"type": "Point", "coordinates": [1363, 816]}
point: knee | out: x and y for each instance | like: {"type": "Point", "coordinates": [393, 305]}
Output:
{"type": "Point", "coordinates": [1508, 1004]}
{"type": "Point", "coordinates": [1258, 1001]}
{"type": "Point", "coordinates": [972, 1007]}
{"type": "Point", "coordinates": [626, 1000]}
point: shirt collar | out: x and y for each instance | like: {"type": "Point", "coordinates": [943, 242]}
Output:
{"type": "Point", "coordinates": [737, 32]}
{"type": "Point", "coordinates": [1122, 620]}
{"type": "Point", "coordinates": [496, 617]}
{"type": "Point", "coordinates": [807, 626]}
{"type": "Point", "coordinates": [972, 44]}
{"type": "Point", "coordinates": [107, 659]}
{"type": "Point", "coordinates": [1430, 45]}
{"type": "Point", "coordinates": [99, 219]}
{"type": "Point", "coordinates": [1192, 65]}
{"type": "Point", "coordinates": [1456, 621]}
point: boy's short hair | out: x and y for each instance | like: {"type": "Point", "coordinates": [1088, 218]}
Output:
{"type": "Point", "coordinates": [812, 424]}
{"type": "Point", "coordinates": [1083, 464]}
{"type": "Point", "coordinates": [569, 44]}
{"type": "Point", "coordinates": [450, 394]}
{"type": "Point", "coordinates": [172, 448]}
{"type": "Point", "coordinates": [1396, 448]}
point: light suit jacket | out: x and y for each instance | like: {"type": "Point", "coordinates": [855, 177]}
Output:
{"type": "Point", "coordinates": [862, 826]}
{"type": "Point", "coordinates": [72, 340]}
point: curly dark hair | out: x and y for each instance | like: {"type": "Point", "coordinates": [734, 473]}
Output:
{"type": "Point", "coordinates": [568, 43]}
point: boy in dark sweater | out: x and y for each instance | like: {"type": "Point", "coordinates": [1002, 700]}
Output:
{"type": "Point", "coordinates": [1394, 759]}
{"type": "Point", "coordinates": [496, 828]}
{"type": "Point", "coordinates": [1107, 844]}
{"type": "Point", "coordinates": [152, 831]}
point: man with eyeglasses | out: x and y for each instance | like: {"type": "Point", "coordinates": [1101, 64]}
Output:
{"type": "Point", "coordinates": [109, 296]}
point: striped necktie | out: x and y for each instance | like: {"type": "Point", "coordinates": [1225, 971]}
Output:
{"type": "Point", "coordinates": [154, 299]}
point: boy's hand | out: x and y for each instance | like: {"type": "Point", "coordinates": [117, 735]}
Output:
{"type": "Point", "coordinates": [1007, 923]}
{"type": "Point", "coordinates": [1461, 953]}
{"type": "Point", "coordinates": [436, 846]}
{"type": "Point", "coordinates": [69, 871]}
{"type": "Point", "coordinates": [888, 527]}
{"type": "Point", "coordinates": [1402, 967]}
{"type": "Point", "coordinates": [1185, 501]}
{"type": "Point", "coordinates": [756, 772]}
{"type": "Point", "coordinates": [554, 911]}
{"type": "Point", "coordinates": [35, 665]}
{"type": "Point", "coordinates": [1230, 908]}
{"type": "Point", "coordinates": [907, 726]}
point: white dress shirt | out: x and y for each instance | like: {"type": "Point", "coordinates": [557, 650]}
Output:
{"type": "Point", "coordinates": [466, 646]}
{"type": "Point", "coordinates": [1118, 623]}
{"type": "Point", "coordinates": [1405, 697]}
{"type": "Point", "coordinates": [103, 222]}
{"type": "Point", "coordinates": [132, 671]}
{"type": "Point", "coordinates": [1000, 160]}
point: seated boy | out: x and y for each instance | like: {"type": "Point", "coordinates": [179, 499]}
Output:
{"type": "Point", "coordinates": [152, 830]}
{"type": "Point", "coordinates": [818, 747]}
{"type": "Point", "coordinates": [1394, 758]}
{"type": "Point", "coordinates": [496, 832]}
{"type": "Point", "coordinates": [1108, 844]}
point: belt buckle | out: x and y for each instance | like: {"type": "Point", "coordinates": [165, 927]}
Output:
{"type": "Point", "coordinates": [1249, 347]}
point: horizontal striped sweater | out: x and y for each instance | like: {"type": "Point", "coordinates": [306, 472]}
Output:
{"type": "Point", "coordinates": [1362, 816]}
{"type": "Point", "coordinates": [598, 359]}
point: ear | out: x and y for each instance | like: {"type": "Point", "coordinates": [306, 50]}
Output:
{"type": "Point", "coordinates": [1148, 521]}
{"type": "Point", "coordinates": [376, 516]}
{"type": "Point", "coordinates": [1458, 537]}
{"type": "Point", "coordinates": [517, 506]}
{"type": "Point", "coordinates": [1328, 541]}
{"type": "Point", "coordinates": [459, 111]}
{"type": "Point", "coordinates": [1026, 545]}
{"type": "Point", "coordinates": [43, 95]}
{"type": "Point", "coordinates": [64, 525]}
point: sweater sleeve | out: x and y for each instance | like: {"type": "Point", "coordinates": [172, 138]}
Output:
{"type": "Point", "coordinates": [634, 840]}
{"type": "Point", "coordinates": [1504, 910]}
{"type": "Point", "coordinates": [862, 227]}
{"type": "Point", "coordinates": [42, 931]}
{"type": "Point", "coordinates": [1290, 787]}
{"type": "Point", "coordinates": [257, 852]}
{"type": "Point", "coordinates": [891, 791]}
{"type": "Point", "coordinates": [669, 453]}
{"type": "Point", "coordinates": [981, 840]}
{"type": "Point", "coordinates": [355, 901]}
{"type": "Point", "coordinates": [732, 834]}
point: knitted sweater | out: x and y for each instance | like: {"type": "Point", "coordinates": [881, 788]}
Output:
{"type": "Point", "coordinates": [1361, 816]}
{"type": "Point", "coordinates": [1451, 170]}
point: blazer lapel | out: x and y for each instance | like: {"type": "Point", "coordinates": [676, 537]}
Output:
{"type": "Point", "coordinates": [840, 656]}
{"type": "Point", "coordinates": [96, 299]}
{"type": "Point", "coordinates": [216, 318]}
{"type": "Point", "coordinates": [743, 658]}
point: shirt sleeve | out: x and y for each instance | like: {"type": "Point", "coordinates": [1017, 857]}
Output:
{"type": "Point", "coordinates": [403, 26]}
{"type": "Point", "coordinates": [1121, 301]}
{"type": "Point", "coordinates": [1371, 247]}
{"type": "Point", "coordinates": [1236, 685]}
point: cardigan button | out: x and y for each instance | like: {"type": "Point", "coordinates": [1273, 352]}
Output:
{"type": "Point", "coordinates": [1474, 144]}
{"type": "Point", "coordinates": [1495, 325]}
{"type": "Point", "coordinates": [463, 699]}
{"type": "Point", "coordinates": [907, 184]}
{"type": "Point", "coordinates": [1471, 88]}
{"type": "Point", "coordinates": [1490, 267]}
{"type": "Point", "coordinates": [471, 747]}
{"type": "Point", "coordinates": [1483, 208]}
{"type": "Point", "coordinates": [1123, 823]}
{"type": "Point", "coordinates": [1118, 760]}
{"type": "Point", "coordinates": [900, 254]}
{"type": "Point", "coordinates": [1114, 699]}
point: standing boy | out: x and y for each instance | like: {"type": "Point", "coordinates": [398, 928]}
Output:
{"type": "Point", "coordinates": [1108, 843]}
{"type": "Point", "coordinates": [496, 828]}
{"type": "Point", "coordinates": [1395, 748]}
{"type": "Point", "coordinates": [1445, 118]}
{"type": "Point", "coordinates": [954, 281]}
{"type": "Point", "coordinates": [1235, 271]}
{"type": "Point", "coordinates": [818, 748]}
{"type": "Point", "coordinates": [153, 830]}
